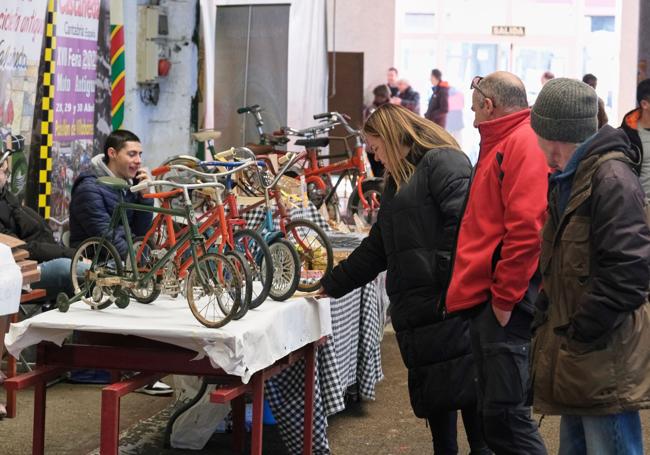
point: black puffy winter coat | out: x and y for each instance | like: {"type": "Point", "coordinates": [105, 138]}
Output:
{"type": "Point", "coordinates": [27, 225]}
{"type": "Point", "coordinates": [91, 208]}
{"type": "Point", "coordinates": [412, 240]}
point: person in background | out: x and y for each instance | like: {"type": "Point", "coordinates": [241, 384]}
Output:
{"type": "Point", "coordinates": [439, 101]}
{"type": "Point", "coordinates": [92, 204]}
{"type": "Point", "coordinates": [407, 97]}
{"type": "Point", "coordinates": [592, 81]}
{"type": "Point", "coordinates": [546, 76]}
{"type": "Point", "coordinates": [591, 356]}
{"type": "Point", "coordinates": [636, 125]}
{"type": "Point", "coordinates": [455, 121]}
{"type": "Point", "coordinates": [381, 96]}
{"type": "Point", "coordinates": [24, 223]}
{"type": "Point", "coordinates": [494, 280]}
{"type": "Point", "coordinates": [391, 80]}
{"type": "Point", "coordinates": [426, 181]}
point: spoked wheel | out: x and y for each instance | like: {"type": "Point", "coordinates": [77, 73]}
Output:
{"type": "Point", "coordinates": [286, 270]}
{"type": "Point", "coordinates": [256, 252]}
{"type": "Point", "coordinates": [148, 290]}
{"type": "Point", "coordinates": [96, 259]}
{"type": "Point", "coordinates": [314, 250]}
{"type": "Point", "coordinates": [244, 271]}
{"type": "Point", "coordinates": [213, 290]}
{"type": "Point", "coordinates": [372, 193]}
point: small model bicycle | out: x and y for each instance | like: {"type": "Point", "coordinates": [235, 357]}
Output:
{"type": "Point", "coordinates": [212, 287]}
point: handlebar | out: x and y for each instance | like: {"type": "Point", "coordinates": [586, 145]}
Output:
{"type": "Point", "coordinates": [342, 119]}
{"type": "Point", "coordinates": [310, 132]}
{"type": "Point", "coordinates": [213, 175]}
{"type": "Point", "coordinates": [185, 186]}
{"type": "Point", "coordinates": [246, 109]}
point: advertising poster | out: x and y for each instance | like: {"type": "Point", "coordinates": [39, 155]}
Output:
{"type": "Point", "coordinates": [22, 24]}
{"type": "Point", "coordinates": [74, 96]}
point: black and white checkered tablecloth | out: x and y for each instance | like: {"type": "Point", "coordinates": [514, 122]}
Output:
{"type": "Point", "coordinates": [350, 356]}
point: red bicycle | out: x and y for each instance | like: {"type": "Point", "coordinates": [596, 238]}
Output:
{"type": "Point", "coordinates": [365, 200]}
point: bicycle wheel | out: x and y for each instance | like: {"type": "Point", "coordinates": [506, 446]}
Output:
{"type": "Point", "coordinates": [213, 290]}
{"type": "Point", "coordinates": [286, 270]}
{"type": "Point", "coordinates": [372, 192]}
{"type": "Point", "coordinates": [149, 290]}
{"type": "Point", "coordinates": [256, 252]}
{"type": "Point", "coordinates": [95, 259]}
{"type": "Point", "coordinates": [241, 265]}
{"type": "Point", "coordinates": [314, 250]}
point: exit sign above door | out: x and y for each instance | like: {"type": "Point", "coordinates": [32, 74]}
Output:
{"type": "Point", "coordinates": [509, 30]}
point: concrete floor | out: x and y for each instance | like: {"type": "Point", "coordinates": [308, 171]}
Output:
{"type": "Point", "coordinates": [386, 426]}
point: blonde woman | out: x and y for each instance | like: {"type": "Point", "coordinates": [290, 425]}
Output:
{"type": "Point", "coordinates": [427, 177]}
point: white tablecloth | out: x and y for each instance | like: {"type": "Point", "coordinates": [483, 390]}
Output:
{"type": "Point", "coordinates": [11, 281]}
{"type": "Point", "coordinates": [241, 348]}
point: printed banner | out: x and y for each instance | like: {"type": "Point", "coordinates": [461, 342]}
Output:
{"type": "Point", "coordinates": [22, 24]}
{"type": "Point", "coordinates": [74, 96]}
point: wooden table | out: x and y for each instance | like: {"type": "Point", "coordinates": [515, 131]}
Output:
{"type": "Point", "coordinates": [27, 297]}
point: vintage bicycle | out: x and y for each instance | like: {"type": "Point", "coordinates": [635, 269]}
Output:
{"type": "Point", "coordinates": [213, 284]}
{"type": "Point", "coordinates": [354, 168]}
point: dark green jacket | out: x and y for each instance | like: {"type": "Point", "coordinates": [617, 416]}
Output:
{"type": "Point", "coordinates": [591, 348]}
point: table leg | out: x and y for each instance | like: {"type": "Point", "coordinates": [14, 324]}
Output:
{"type": "Point", "coordinates": [11, 372]}
{"type": "Point", "coordinates": [310, 381]}
{"type": "Point", "coordinates": [38, 439]}
{"type": "Point", "coordinates": [238, 423]}
{"type": "Point", "coordinates": [258, 410]}
{"type": "Point", "coordinates": [110, 423]}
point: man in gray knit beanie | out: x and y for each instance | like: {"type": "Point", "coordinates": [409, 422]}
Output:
{"type": "Point", "coordinates": [591, 355]}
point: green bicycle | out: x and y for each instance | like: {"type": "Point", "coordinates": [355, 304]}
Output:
{"type": "Point", "coordinates": [213, 284]}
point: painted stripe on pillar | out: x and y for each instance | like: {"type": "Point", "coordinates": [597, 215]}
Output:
{"type": "Point", "coordinates": [47, 115]}
{"type": "Point", "coordinates": [118, 67]}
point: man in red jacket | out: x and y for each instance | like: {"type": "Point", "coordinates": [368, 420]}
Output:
{"type": "Point", "coordinates": [494, 281]}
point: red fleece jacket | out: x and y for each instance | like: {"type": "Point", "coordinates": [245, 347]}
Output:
{"type": "Point", "coordinates": [506, 206]}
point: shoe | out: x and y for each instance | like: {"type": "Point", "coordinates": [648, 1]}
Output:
{"type": "Point", "coordinates": [157, 388]}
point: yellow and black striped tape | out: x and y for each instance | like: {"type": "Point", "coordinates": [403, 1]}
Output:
{"type": "Point", "coordinates": [47, 115]}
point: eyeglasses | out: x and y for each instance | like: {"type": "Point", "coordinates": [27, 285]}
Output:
{"type": "Point", "coordinates": [474, 86]}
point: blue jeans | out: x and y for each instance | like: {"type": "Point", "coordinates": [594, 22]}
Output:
{"type": "Point", "coordinates": [55, 276]}
{"type": "Point", "coordinates": [615, 434]}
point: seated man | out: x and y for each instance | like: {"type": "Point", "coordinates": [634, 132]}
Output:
{"type": "Point", "coordinates": [24, 223]}
{"type": "Point", "coordinates": [92, 204]}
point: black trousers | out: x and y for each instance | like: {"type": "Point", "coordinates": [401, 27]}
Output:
{"type": "Point", "coordinates": [444, 433]}
{"type": "Point", "coordinates": [502, 357]}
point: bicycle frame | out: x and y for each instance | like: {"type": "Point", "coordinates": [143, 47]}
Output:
{"type": "Point", "coordinates": [192, 235]}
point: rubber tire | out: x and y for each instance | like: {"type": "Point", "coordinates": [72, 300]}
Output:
{"type": "Point", "coordinates": [245, 275]}
{"type": "Point", "coordinates": [285, 293]}
{"type": "Point", "coordinates": [267, 274]}
{"type": "Point", "coordinates": [236, 289]}
{"type": "Point", "coordinates": [324, 241]}
{"type": "Point", "coordinates": [354, 203]}
{"type": "Point", "coordinates": [156, 279]}
{"type": "Point", "coordinates": [75, 260]}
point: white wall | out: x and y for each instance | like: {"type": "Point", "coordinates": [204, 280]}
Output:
{"type": "Point", "coordinates": [164, 129]}
{"type": "Point", "coordinates": [628, 23]}
{"type": "Point", "coordinates": [366, 26]}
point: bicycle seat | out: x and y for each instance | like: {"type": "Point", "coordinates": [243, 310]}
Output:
{"type": "Point", "coordinates": [260, 149]}
{"type": "Point", "coordinates": [114, 183]}
{"type": "Point", "coordinates": [314, 143]}
{"type": "Point", "coordinates": [206, 135]}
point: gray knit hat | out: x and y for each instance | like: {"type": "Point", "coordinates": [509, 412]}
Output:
{"type": "Point", "coordinates": [566, 110]}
